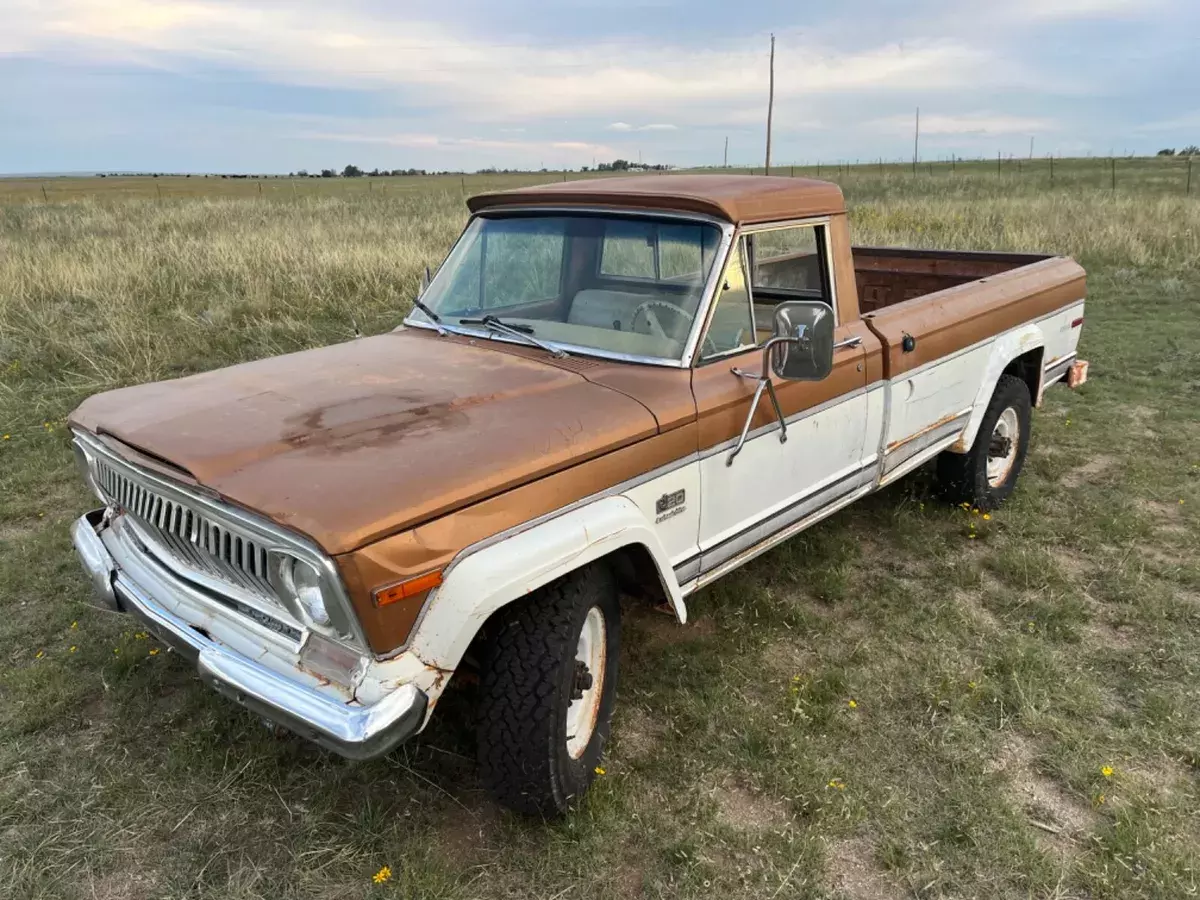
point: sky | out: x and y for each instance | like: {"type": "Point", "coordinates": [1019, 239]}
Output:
{"type": "Point", "coordinates": [262, 86]}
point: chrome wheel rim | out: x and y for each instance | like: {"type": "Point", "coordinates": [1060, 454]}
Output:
{"type": "Point", "coordinates": [1002, 449]}
{"type": "Point", "coordinates": [587, 682]}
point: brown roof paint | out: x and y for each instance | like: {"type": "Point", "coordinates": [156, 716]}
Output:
{"type": "Point", "coordinates": [353, 442]}
{"type": "Point", "coordinates": [741, 199]}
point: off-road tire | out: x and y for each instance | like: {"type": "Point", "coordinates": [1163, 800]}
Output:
{"type": "Point", "coordinates": [526, 681]}
{"type": "Point", "coordinates": [963, 477]}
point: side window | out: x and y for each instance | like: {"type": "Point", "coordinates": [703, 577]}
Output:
{"type": "Point", "coordinates": [732, 324]}
{"type": "Point", "coordinates": [790, 263]}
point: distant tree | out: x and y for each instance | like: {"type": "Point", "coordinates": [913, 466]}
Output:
{"type": "Point", "coordinates": [351, 172]}
{"type": "Point", "coordinates": [1190, 150]}
{"type": "Point", "coordinates": [328, 173]}
{"type": "Point", "coordinates": [1166, 151]}
{"type": "Point", "coordinates": [303, 173]}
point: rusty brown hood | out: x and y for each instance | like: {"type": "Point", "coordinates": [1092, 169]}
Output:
{"type": "Point", "coordinates": [356, 441]}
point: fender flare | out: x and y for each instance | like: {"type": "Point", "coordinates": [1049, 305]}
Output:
{"type": "Point", "coordinates": [1006, 348]}
{"type": "Point", "coordinates": [494, 573]}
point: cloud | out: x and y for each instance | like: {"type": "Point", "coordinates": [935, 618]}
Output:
{"type": "Point", "coordinates": [575, 149]}
{"type": "Point", "coordinates": [654, 126]}
{"type": "Point", "coordinates": [978, 123]}
{"type": "Point", "coordinates": [307, 43]}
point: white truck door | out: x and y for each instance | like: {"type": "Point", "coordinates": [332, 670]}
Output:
{"type": "Point", "coordinates": [773, 486]}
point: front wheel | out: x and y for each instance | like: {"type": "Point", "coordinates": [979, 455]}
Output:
{"type": "Point", "coordinates": [546, 692]}
{"type": "Point", "coordinates": [986, 474]}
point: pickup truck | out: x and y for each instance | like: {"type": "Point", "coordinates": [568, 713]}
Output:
{"type": "Point", "coordinates": [614, 387]}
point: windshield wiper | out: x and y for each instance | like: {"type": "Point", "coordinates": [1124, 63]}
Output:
{"type": "Point", "coordinates": [433, 317]}
{"type": "Point", "coordinates": [521, 332]}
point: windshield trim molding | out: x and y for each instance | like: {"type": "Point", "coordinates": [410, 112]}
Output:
{"type": "Point", "coordinates": [684, 360]}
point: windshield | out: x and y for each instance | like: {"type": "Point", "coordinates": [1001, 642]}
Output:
{"type": "Point", "coordinates": [614, 284]}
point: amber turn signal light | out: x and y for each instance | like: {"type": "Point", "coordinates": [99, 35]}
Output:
{"type": "Point", "coordinates": [420, 585]}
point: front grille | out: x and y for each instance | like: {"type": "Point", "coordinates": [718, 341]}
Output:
{"type": "Point", "coordinates": [195, 539]}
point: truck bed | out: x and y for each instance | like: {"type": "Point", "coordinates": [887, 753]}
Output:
{"type": "Point", "coordinates": [887, 275]}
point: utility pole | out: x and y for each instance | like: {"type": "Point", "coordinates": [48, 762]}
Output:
{"type": "Point", "coordinates": [725, 165]}
{"type": "Point", "coordinates": [770, 106]}
{"type": "Point", "coordinates": [917, 141]}
{"type": "Point", "coordinates": [1031, 146]}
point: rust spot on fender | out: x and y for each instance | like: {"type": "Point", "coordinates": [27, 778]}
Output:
{"type": "Point", "coordinates": [894, 445]}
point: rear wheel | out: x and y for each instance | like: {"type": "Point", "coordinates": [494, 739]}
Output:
{"type": "Point", "coordinates": [986, 474]}
{"type": "Point", "coordinates": [547, 690]}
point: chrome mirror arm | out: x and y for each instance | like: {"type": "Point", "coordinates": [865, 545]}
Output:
{"type": "Point", "coordinates": [764, 383]}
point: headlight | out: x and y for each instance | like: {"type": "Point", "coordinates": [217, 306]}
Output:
{"type": "Point", "coordinates": [303, 584]}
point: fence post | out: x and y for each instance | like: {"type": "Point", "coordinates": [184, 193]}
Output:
{"type": "Point", "coordinates": [997, 162]}
{"type": "Point", "coordinates": [818, 168]}
{"type": "Point", "coordinates": [1113, 161]}
{"type": "Point", "coordinates": [1052, 168]}
{"type": "Point", "coordinates": [46, 199]}
{"type": "Point", "coordinates": [1189, 179]}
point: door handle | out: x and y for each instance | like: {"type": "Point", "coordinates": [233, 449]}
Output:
{"type": "Point", "coordinates": [848, 342]}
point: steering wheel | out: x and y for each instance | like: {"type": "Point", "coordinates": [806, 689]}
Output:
{"type": "Point", "coordinates": [656, 328]}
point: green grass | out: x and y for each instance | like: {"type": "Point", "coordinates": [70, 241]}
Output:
{"type": "Point", "coordinates": [992, 677]}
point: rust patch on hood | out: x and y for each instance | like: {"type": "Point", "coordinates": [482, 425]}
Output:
{"type": "Point", "coordinates": [353, 442]}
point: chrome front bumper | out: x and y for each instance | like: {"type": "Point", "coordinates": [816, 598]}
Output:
{"type": "Point", "coordinates": [352, 730]}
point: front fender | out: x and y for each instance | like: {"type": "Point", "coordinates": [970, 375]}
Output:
{"type": "Point", "coordinates": [494, 573]}
{"type": "Point", "coordinates": [1005, 349]}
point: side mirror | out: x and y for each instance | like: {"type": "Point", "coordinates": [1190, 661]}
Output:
{"type": "Point", "coordinates": [806, 353]}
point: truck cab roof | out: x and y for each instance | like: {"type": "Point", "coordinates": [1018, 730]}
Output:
{"type": "Point", "coordinates": [740, 199]}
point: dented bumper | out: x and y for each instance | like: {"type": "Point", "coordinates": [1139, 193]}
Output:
{"type": "Point", "coordinates": [241, 667]}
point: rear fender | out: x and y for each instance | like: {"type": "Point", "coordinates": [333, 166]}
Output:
{"type": "Point", "coordinates": [1006, 348]}
{"type": "Point", "coordinates": [497, 572]}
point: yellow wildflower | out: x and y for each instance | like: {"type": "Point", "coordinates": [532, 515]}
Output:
{"type": "Point", "coordinates": [72, 649]}
{"type": "Point", "coordinates": [74, 625]}
{"type": "Point", "coordinates": [971, 537]}
{"type": "Point", "coordinates": [116, 651]}
{"type": "Point", "coordinates": [853, 704]}
{"type": "Point", "coordinates": [987, 517]}
{"type": "Point", "coordinates": [1106, 771]}
{"type": "Point", "coordinates": [599, 770]}
{"type": "Point", "coordinates": [382, 875]}
{"type": "Point", "coordinates": [1100, 800]}
{"type": "Point", "coordinates": [972, 685]}
{"type": "Point", "coordinates": [837, 784]}
{"type": "Point", "coordinates": [39, 654]}
{"type": "Point", "coordinates": [154, 651]}
{"type": "Point", "coordinates": [8, 437]}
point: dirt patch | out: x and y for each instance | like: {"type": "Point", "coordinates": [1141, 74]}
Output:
{"type": "Point", "coordinates": [637, 734]}
{"type": "Point", "coordinates": [465, 832]}
{"type": "Point", "coordinates": [970, 602]}
{"type": "Point", "coordinates": [1058, 820]}
{"type": "Point", "coordinates": [1072, 562]}
{"type": "Point", "coordinates": [789, 657]}
{"type": "Point", "coordinates": [854, 873]}
{"type": "Point", "coordinates": [1100, 633]}
{"type": "Point", "coordinates": [748, 810]}
{"type": "Point", "coordinates": [1165, 515]}
{"type": "Point", "coordinates": [1141, 417]}
{"type": "Point", "coordinates": [1090, 471]}
{"type": "Point", "coordinates": [663, 628]}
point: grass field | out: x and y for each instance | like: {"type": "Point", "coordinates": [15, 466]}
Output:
{"type": "Point", "coordinates": [905, 701]}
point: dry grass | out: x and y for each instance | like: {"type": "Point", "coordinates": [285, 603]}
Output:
{"type": "Point", "coordinates": [993, 678]}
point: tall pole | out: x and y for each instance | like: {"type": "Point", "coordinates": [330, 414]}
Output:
{"type": "Point", "coordinates": [917, 141]}
{"type": "Point", "coordinates": [1031, 146]}
{"type": "Point", "coordinates": [770, 106]}
{"type": "Point", "coordinates": [725, 165]}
